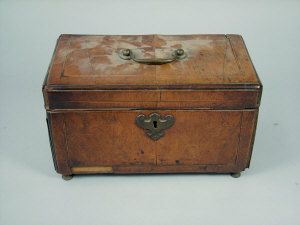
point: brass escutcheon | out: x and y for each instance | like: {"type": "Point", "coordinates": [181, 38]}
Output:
{"type": "Point", "coordinates": [155, 124]}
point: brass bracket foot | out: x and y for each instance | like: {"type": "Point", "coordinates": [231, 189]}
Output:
{"type": "Point", "coordinates": [236, 175]}
{"type": "Point", "coordinates": [66, 177]}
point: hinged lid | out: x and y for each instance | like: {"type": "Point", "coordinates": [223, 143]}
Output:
{"type": "Point", "coordinates": [94, 62]}
{"type": "Point", "coordinates": [193, 71]}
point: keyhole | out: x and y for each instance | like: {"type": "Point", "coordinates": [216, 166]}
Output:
{"type": "Point", "coordinates": [155, 124]}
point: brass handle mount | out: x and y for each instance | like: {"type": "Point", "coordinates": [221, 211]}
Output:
{"type": "Point", "coordinates": [128, 54]}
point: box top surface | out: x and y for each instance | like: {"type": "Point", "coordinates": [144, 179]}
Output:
{"type": "Point", "coordinates": [93, 62]}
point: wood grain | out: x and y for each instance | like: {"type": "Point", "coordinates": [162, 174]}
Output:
{"type": "Point", "coordinates": [93, 97]}
{"type": "Point", "coordinates": [164, 99]}
{"type": "Point", "coordinates": [60, 142]}
{"type": "Point", "coordinates": [93, 60]}
{"type": "Point", "coordinates": [111, 139]}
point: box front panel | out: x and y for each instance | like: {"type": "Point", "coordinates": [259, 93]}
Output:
{"type": "Point", "coordinates": [106, 139]}
{"type": "Point", "coordinates": [201, 137]}
{"type": "Point", "coordinates": [197, 141]}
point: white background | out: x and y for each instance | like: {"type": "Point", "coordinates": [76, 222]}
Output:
{"type": "Point", "coordinates": [32, 193]}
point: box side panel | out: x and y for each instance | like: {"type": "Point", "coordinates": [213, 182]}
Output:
{"type": "Point", "coordinates": [247, 135]}
{"type": "Point", "coordinates": [51, 142]}
{"type": "Point", "coordinates": [58, 132]}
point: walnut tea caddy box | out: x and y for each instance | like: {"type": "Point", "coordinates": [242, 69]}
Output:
{"type": "Point", "coordinates": [130, 104]}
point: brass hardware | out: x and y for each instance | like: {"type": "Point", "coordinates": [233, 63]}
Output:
{"type": "Point", "coordinates": [128, 54]}
{"type": "Point", "coordinates": [66, 177]}
{"type": "Point", "coordinates": [180, 51]}
{"type": "Point", "coordinates": [155, 124]}
{"type": "Point", "coordinates": [235, 175]}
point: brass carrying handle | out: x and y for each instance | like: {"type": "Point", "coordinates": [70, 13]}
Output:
{"type": "Point", "coordinates": [128, 54]}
